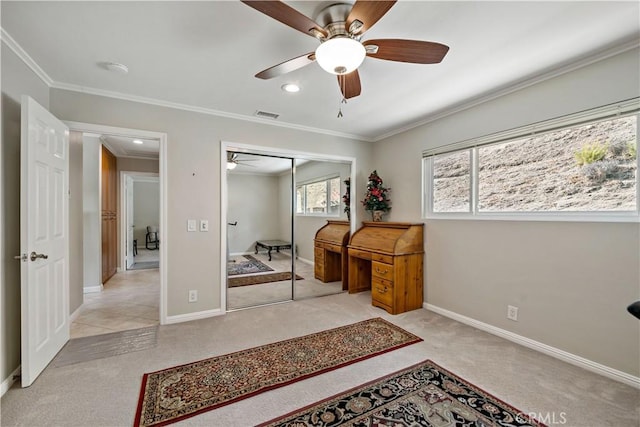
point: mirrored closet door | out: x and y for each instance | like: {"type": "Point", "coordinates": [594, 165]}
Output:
{"type": "Point", "coordinates": [259, 229]}
{"type": "Point", "coordinates": [321, 227]}
{"type": "Point", "coordinates": [287, 228]}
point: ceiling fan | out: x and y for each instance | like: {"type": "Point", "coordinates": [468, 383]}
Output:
{"type": "Point", "coordinates": [233, 160]}
{"type": "Point", "coordinates": [339, 28]}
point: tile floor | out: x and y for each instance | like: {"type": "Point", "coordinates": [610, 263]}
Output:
{"type": "Point", "coordinates": [129, 300]}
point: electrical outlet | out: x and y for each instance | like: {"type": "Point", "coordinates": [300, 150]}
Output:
{"type": "Point", "coordinates": [193, 296]}
{"type": "Point", "coordinates": [512, 313]}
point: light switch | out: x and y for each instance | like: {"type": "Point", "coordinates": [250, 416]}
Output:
{"type": "Point", "coordinates": [191, 225]}
{"type": "Point", "coordinates": [204, 225]}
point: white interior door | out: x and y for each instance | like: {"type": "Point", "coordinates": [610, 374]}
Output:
{"type": "Point", "coordinates": [129, 219]}
{"type": "Point", "coordinates": [44, 238]}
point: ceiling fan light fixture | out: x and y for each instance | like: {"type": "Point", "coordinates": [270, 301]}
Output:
{"type": "Point", "coordinates": [340, 55]}
{"type": "Point", "coordinates": [231, 165]}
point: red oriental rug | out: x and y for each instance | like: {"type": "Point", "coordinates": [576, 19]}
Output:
{"type": "Point", "coordinates": [424, 394]}
{"type": "Point", "coordinates": [184, 391]}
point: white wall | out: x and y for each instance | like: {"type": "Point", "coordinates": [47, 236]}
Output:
{"type": "Point", "coordinates": [17, 80]}
{"type": "Point", "coordinates": [252, 201]}
{"type": "Point", "coordinates": [76, 222]}
{"type": "Point", "coordinates": [571, 281]}
{"type": "Point", "coordinates": [146, 209]}
{"type": "Point", "coordinates": [193, 163]}
{"type": "Point", "coordinates": [92, 239]}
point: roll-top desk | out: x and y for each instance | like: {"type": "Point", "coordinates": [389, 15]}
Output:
{"type": "Point", "coordinates": [387, 257]}
{"type": "Point", "coordinates": [330, 252]}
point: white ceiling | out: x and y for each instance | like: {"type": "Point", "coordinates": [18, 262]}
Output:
{"type": "Point", "coordinates": [204, 55]}
{"type": "Point", "coordinates": [125, 147]}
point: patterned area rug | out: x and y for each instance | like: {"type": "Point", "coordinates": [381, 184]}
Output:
{"type": "Point", "coordinates": [422, 395]}
{"type": "Point", "coordinates": [251, 265]}
{"type": "Point", "coordinates": [184, 391]}
{"type": "Point", "coordinates": [261, 278]}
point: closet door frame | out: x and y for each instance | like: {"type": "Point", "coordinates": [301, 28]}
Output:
{"type": "Point", "coordinates": [275, 152]}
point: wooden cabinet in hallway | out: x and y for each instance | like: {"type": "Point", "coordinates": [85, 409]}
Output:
{"type": "Point", "coordinates": [109, 215]}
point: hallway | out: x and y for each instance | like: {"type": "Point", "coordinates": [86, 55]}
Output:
{"type": "Point", "coordinates": [129, 300]}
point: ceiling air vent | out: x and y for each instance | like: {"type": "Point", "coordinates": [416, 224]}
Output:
{"type": "Point", "coordinates": [267, 115]}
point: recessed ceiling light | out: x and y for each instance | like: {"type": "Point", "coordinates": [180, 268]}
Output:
{"type": "Point", "coordinates": [137, 141]}
{"type": "Point", "coordinates": [116, 67]}
{"type": "Point", "coordinates": [291, 88]}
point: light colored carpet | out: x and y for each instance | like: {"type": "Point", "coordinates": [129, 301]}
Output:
{"type": "Point", "coordinates": [104, 392]}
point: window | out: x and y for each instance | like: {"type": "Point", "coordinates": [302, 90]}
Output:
{"type": "Point", "coordinates": [319, 197]}
{"type": "Point", "coordinates": [452, 182]}
{"type": "Point", "coordinates": [584, 168]}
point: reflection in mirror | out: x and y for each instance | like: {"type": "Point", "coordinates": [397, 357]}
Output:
{"type": "Point", "coordinates": [320, 186]}
{"type": "Point", "coordinates": [259, 238]}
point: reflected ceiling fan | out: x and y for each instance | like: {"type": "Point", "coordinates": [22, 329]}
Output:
{"type": "Point", "coordinates": [339, 28]}
{"type": "Point", "coordinates": [233, 160]}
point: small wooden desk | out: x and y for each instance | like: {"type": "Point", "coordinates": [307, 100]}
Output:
{"type": "Point", "coordinates": [387, 257]}
{"type": "Point", "coordinates": [330, 259]}
{"type": "Point", "coordinates": [270, 245]}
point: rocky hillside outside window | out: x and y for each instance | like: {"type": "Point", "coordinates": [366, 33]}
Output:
{"type": "Point", "coordinates": [586, 168]}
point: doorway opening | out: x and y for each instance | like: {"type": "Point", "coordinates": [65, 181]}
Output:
{"type": "Point", "coordinates": [140, 219]}
{"type": "Point", "coordinates": [133, 297]}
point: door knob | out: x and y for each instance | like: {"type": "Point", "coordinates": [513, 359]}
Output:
{"type": "Point", "coordinates": [34, 256]}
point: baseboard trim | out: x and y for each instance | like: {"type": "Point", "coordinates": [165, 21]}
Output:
{"type": "Point", "coordinates": [75, 314]}
{"type": "Point", "coordinates": [91, 289]}
{"type": "Point", "coordinates": [241, 253]}
{"type": "Point", "coordinates": [306, 261]}
{"type": "Point", "coordinates": [8, 382]}
{"type": "Point", "coordinates": [179, 318]}
{"type": "Point", "coordinates": [565, 356]}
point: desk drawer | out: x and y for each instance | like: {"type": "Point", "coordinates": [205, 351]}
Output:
{"type": "Point", "coordinates": [318, 254]}
{"type": "Point", "coordinates": [334, 248]}
{"type": "Point", "coordinates": [359, 254]}
{"type": "Point", "coordinates": [382, 291]}
{"type": "Point", "coordinates": [382, 258]}
{"type": "Point", "coordinates": [381, 270]}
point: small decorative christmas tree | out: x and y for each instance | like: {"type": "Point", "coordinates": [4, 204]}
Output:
{"type": "Point", "coordinates": [347, 198]}
{"type": "Point", "coordinates": [376, 198]}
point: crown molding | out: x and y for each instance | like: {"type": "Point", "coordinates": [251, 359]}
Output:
{"type": "Point", "coordinates": [538, 78]}
{"type": "Point", "coordinates": [202, 110]}
{"type": "Point", "coordinates": [465, 105]}
{"type": "Point", "coordinates": [25, 57]}
{"type": "Point", "coordinates": [33, 65]}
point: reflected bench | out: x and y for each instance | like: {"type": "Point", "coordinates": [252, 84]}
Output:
{"type": "Point", "coordinates": [270, 245]}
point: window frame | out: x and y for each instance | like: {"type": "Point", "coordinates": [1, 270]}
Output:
{"type": "Point", "coordinates": [327, 180]}
{"type": "Point", "coordinates": [512, 135]}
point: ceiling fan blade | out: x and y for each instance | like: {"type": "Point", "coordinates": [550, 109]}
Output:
{"type": "Point", "coordinates": [350, 84]}
{"type": "Point", "coordinates": [287, 15]}
{"type": "Point", "coordinates": [368, 12]}
{"type": "Point", "coordinates": [287, 66]}
{"type": "Point", "coordinates": [414, 51]}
